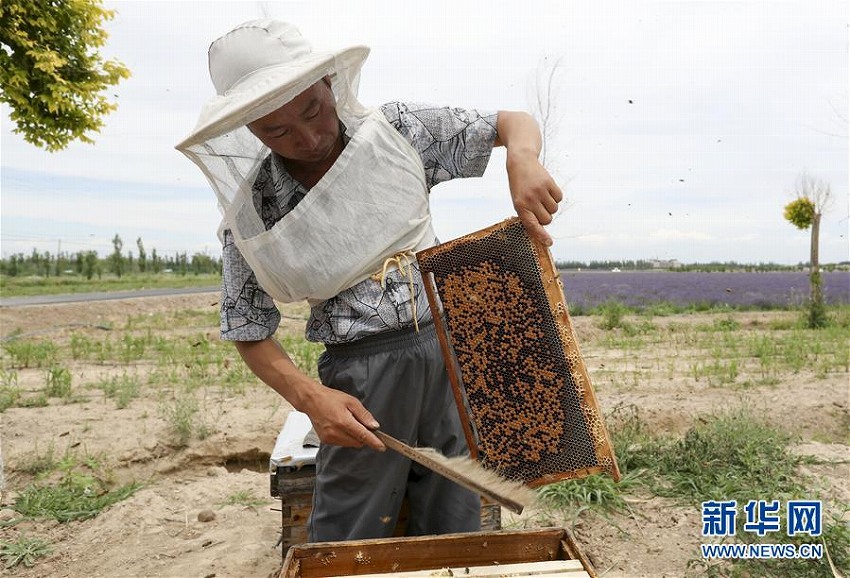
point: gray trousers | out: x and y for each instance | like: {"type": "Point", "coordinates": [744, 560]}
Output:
{"type": "Point", "coordinates": [400, 378]}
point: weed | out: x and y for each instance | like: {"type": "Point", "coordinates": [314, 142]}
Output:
{"type": "Point", "coordinates": [612, 314]}
{"type": "Point", "coordinates": [23, 551]}
{"type": "Point", "coordinates": [132, 348]}
{"type": "Point", "coordinates": [38, 401]}
{"type": "Point", "coordinates": [78, 496]}
{"type": "Point", "coordinates": [244, 498]}
{"type": "Point", "coordinates": [39, 463]}
{"type": "Point", "coordinates": [731, 456]}
{"type": "Point", "coordinates": [728, 456]}
{"type": "Point", "coordinates": [728, 323]}
{"type": "Point", "coordinates": [8, 377]}
{"type": "Point", "coordinates": [597, 492]}
{"type": "Point", "coordinates": [180, 414]}
{"type": "Point", "coordinates": [234, 376]}
{"type": "Point", "coordinates": [121, 389]}
{"type": "Point", "coordinates": [9, 396]}
{"type": "Point", "coordinates": [81, 347]}
{"type": "Point", "coordinates": [26, 353]}
{"type": "Point", "coordinates": [58, 382]}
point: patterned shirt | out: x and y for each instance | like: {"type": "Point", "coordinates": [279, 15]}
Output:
{"type": "Point", "coordinates": [452, 143]}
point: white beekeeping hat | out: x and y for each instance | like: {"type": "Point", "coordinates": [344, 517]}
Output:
{"type": "Point", "coordinates": [256, 68]}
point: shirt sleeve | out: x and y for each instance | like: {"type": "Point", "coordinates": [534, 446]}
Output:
{"type": "Point", "coordinates": [247, 312]}
{"type": "Point", "coordinates": [452, 142]}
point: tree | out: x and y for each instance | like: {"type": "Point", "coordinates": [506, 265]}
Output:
{"type": "Point", "coordinates": [51, 73]}
{"type": "Point", "coordinates": [90, 265]}
{"type": "Point", "coordinates": [116, 259]}
{"type": "Point", "coordinates": [543, 105]}
{"type": "Point", "coordinates": [813, 197]}
{"type": "Point", "coordinates": [143, 256]}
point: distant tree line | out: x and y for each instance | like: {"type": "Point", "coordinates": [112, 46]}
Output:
{"type": "Point", "coordinates": [650, 264]}
{"type": "Point", "coordinates": [89, 264]}
{"type": "Point", "coordinates": [605, 265]}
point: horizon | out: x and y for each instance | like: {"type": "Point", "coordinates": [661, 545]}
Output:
{"type": "Point", "coordinates": [656, 263]}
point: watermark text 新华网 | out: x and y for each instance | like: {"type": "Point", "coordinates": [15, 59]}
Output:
{"type": "Point", "coordinates": [803, 518]}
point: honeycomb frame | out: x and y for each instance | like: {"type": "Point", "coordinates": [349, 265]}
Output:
{"type": "Point", "coordinates": [522, 389]}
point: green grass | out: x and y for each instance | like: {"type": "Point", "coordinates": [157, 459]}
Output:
{"type": "Point", "coordinates": [245, 498]}
{"type": "Point", "coordinates": [27, 286]}
{"type": "Point", "coordinates": [26, 353]}
{"type": "Point", "coordinates": [23, 551]}
{"type": "Point", "coordinates": [722, 351]}
{"type": "Point", "coordinates": [10, 393]}
{"type": "Point", "coordinates": [77, 496]}
{"type": "Point", "coordinates": [729, 456]}
{"type": "Point", "coordinates": [121, 389]}
{"type": "Point", "coordinates": [597, 492]}
{"type": "Point", "coordinates": [73, 487]}
{"type": "Point", "coordinates": [36, 463]}
{"type": "Point", "coordinates": [726, 456]}
{"type": "Point", "coordinates": [181, 413]}
{"type": "Point", "coordinates": [58, 382]}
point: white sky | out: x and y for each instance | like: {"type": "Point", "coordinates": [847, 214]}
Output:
{"type": "Point", "coordinates": [681, 125]}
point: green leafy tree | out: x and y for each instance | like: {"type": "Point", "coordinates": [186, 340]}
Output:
{"type": "Point", "coordinates": [51, 73]}
{"type": "Point", "coordinates": [117, 259]}
{"type": "Point", "coordinates": [813, 197]}
{"type": "Point", "coordinates": [12, 271]}
{"type": "Point", "coordinates": [45, 263]}
{"type": "Point", "coordinates": [800, 212]}
{"type": "Point", "coordinates": [143, 256]}
{"type": "Point", "coordinates": [90, 266]}
{"type": "Point", "coordinates": [156, 262]}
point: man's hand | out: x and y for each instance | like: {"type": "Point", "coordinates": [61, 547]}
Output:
{"type": "Point", "coordinates": [340, 419]}
{"type": "Point", "coordinates": [534, 192]}
{"type": "Point", "coordinates": [337, 417]}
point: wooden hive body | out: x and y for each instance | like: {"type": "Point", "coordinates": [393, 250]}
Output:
{"type": "Point", "coordinates": [475, 553]}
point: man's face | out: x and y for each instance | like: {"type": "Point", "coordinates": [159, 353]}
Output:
{"type": "Point", "coordinates": [306, 129]}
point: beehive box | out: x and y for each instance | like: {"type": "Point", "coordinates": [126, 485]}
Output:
{"type": "Point", "coordinates": [294, 487]}
{"type": "Point", "coordinates": [293, 477]}
{"type": "Point", "coordinates": [549, 551]}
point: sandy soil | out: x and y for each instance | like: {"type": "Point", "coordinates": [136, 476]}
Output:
{"type": "Point", "coordinates": [157, 531]}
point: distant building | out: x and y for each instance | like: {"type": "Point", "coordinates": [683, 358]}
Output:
{"type": "Point", "coordinates": [664, 264]}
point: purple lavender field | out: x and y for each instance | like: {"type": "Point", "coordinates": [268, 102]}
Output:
{"type": "Point", "coordinates": [768, 290]}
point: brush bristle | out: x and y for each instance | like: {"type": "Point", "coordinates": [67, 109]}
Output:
{"type": "Point", "coordinates": [470, 469]}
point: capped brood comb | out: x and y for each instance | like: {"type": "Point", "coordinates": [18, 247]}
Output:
{"type": "Point", "coordinates": [525, 398]}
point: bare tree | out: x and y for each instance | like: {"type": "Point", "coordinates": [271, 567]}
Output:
{"type": "Point", "coordinates": [813, 198]}
{"type": "Point", "coordinates": [544, 107]}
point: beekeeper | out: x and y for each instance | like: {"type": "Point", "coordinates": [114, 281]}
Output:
{"type": "Point", "coordinates": [326, 200]}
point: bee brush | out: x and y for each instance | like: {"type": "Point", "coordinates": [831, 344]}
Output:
{"type": "Point", "coordinates": [468, 473]}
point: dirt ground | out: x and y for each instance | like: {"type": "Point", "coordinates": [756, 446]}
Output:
{"type": "Point", "coordinates": [157, 532]}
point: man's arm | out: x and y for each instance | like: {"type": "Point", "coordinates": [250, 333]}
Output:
{"type": "Point", "coordinates": [535, 194]}
{"type": "Point", "coordinates": [337, 417]}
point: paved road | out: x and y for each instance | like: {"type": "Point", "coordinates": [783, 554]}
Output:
{"type": "Point", "coordinates": [101, 296]}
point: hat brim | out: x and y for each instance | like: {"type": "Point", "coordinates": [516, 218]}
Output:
{"type": "Point", "coordinates": [268, 89]}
